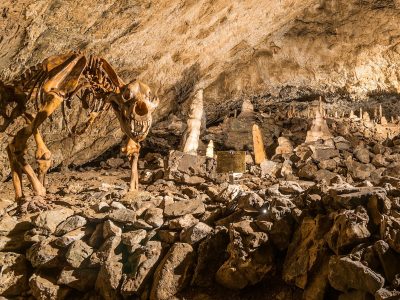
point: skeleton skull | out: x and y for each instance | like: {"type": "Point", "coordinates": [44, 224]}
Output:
{"type": "Point", "coordinates": [133, 106]}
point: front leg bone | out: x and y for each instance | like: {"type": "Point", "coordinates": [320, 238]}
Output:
{"type": "Point", "coordinates": [132, 151]}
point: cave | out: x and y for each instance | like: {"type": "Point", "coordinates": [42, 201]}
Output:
{"type": "Point", "coordinates": [200, 150]}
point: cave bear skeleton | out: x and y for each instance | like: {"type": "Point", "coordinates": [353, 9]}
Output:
{"type": "Point", "coordinates": [53, 84]}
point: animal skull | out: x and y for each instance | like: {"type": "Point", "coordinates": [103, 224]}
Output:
{"type": "Point", "coordinates": [133, 106]}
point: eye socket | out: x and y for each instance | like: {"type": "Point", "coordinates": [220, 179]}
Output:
{"type": "Point", "coordinates": [126, 94]}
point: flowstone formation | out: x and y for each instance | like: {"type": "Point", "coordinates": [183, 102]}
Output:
{"type": "Point", "coordinates": [316, 220]}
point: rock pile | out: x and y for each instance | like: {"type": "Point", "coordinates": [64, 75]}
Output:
{"type": "Point", "coordinates": [191, 230]}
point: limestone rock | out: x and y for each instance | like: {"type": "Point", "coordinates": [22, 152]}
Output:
{"type": "Point", "coordinates": [305, 250]}
{"type": "Point", "coordinates": [44, 287]}
{"type": "Point", "coordinates": [154, 216]}
{"type": "Point", "coordinates": [13, 274]}
{"type": "Point", "coordinates": [133, 238]}
{"type": "Point", "coordinates": [108, 279]}
{"type": "Point", "coordinates": [196, 233]}
{"type": "Point", "coordinates": [110, 229]}
{"type": "Point", "coordinates": [126, 216]}
{"type": "Point", "coordinates": [79, 279]}
{"type": "Point", "coordinates": [142, 265]}
{"type": "Point", "coordinates": [183, 222]}
{"type": "Point", "coordinates": [173, 272]}
{"type": "Point", "coordinates": [349, 228]}
{"type": "Point", "coordinates": [70, 224]}
{"type": "Point", "coordinates": [44, 254]}
{"type": "Point", "coordinates": [258, 145]}
{"type": "Point", "coordinates": [180, 208]}
{"type": "Point", "coordinates": [251, 257]}
{"type": "Point", "coordinates": [345, 274]}
{"type": "Point", "coordinates": [52, 218]}
{"type": "Point", "coordinates": [211, 255]}
{"type": "Point", "coordinates": [77, 253]}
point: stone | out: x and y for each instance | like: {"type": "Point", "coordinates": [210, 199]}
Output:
{"type": "Point", "coordinates": [173, 272]}
{"type": "Point", "coordinates": [72, 223]}
{"type": "Point", "coordinates": [269, 168]}
{"type": "Point", "coordinates": [80, 279]}
{"type": "Point", "coordinates": [211, 255]}
{"type": "Point", "coordinates": [345, 274]}
{"type": "Point", "coordinates": [101, 207]}
{"type": "Point", "coordinates": [250, 257]}
{"type": "Point", "coordinates": [183, 222]}
{"type": "Point", "coordinates": [308, 171]}
{"type": "Point", "coordinates": [108, 279]}
{"type": "Point", "coordinates": [125, 216]}
{"type": "Point", "coordinates": [44, 254]}
{"type": "Point", "coordinates": [390, 261]}
{"type": "Point", "coordinates": [110, 229]}
{"type": "Point", "coordinates": [13, 274]}
{"type": "Point", "coordinates": [390, 232]}
{"type": "Point", "coordinates": [77, 253]}
{"type": "Point", "coordinates": [168, 236]}
{"type": "Point", "coordinates": [70, 237]}
{"type": "Point", "coordinates": [305, 250]}
{"type": "Point", "coordinates": [322, 152]}
{"type": "Point", "coordinates": [258, 145]}
{"type": "Point", "coordinates": [183, 207]}
{"type": "Point", "coordinates": [318, 283]}
{"type": "Point", "coordinates": [133, 238]}
{"type": "Point", "coordinates": [45, 287]}
{"type": "Point", "coordinates": [250, 202]}
{"type": "Point", "coordinates": [349, 228]}
{"type": "Point", "coordinates": [379, 161]}
{"type": "Point", "coordinates": [142, 265]}
{"type": "Point", "coordinates": [362, 154]}
{"type": "Point", "coordinates": [109, 251]}
{"type": "Point", "coordinates": [52, 218]}
{"type": "Point", "coordinates": [96, 238]}
{"type": "Point", "coordinates": [187, 168]}
{"type": "Point", "coordinates": [229, 193]}
{"type": "Point", "coordinates": [196, 233]}
{"type": "Point", "coordinates": [154, 217]}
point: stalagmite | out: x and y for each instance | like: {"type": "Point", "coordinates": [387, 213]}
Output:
{"type": "Point", "coordinates": [352, 116]}
{"type": "Point", "coordinates": [361, 113]}
{"type": "Point", "coordinates": [210, 150]}
{"type": "Point", "coordinates": [319, 129]}
{"type": "Point", "coordinates": [384, 121]}
{"type": "Point", "coordinates": [375, 113]}
{"type": "Point", "coordinates": [366, 117]}
{"type": "Point", "coordinates": [259, 151]}
{"type": "Point", "coordinates": [285, 146]}
{"type": "Point", "coordinates": [247, 109]}
{"type": "Point", "coordinates": [336, 114]}
{"type": "Point", "coordinates": [192, 133]}
{"type": "Point", "coordinates": [380, 111]}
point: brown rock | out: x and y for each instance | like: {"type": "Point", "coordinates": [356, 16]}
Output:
{"type": "Point", "coordinates": [173, 273]}
{"type": "Point", "coordinates": [180, 208]}
{"type": "Point", "coordinates": [13, 274]}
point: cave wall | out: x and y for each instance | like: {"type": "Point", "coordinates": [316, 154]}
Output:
{"type": "Point", "coordinates": [277, 50]}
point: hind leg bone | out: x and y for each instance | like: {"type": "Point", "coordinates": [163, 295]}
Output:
{"type": "Point", "coordinates": [43, 157]}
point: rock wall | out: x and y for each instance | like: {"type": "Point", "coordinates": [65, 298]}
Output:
{"type": "Point", "coordinates": [270, 51]}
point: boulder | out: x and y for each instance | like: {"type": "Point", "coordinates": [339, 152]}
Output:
{"type": "Point", "coordinates": [195, 233]}
{"type": "Point", "coordinates": [81, 279]}
{"type": "Point", "coordinates": [77, 253]}
{"type": "Point", "coordinates": [173, 272]}
{"type": "Point", "coordinates": [306, 250]}
{"type": "Point", "coordinates": [44, 254]}
{"type": "Point", "coordinates": [212, 253]}
{"type": "Point", "coordinates": [108, 279]}
{"type": "Point", "coordinates": [349, 228]}
{"type": "Point", "coordinates": [345, 274]}
{"type": "Point", "coordinates": [141, 265]}
{"type": "Point", "coordinates": [154, 217]}
{"type": "Point", "coordinates": [50, 219]}
{"type": "Point", "coordinates": [72, 223]}
{"type": "Point", "coordinates": [183, 207]}
{"type": "Point", "coordinates": [13, 274]}
{"type": "Point", "coordinates": [45, 288]}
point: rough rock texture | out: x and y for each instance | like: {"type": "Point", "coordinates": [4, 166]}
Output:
{"type": "Point", "coordinates": [229, 49]}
